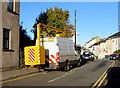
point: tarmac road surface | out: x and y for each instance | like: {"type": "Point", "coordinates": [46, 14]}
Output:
{"type": "Point", "coordinates": [85, 75]}
{"type": "Point", "coordinates": [114, 76]}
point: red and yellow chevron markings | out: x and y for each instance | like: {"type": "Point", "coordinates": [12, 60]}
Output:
{"type": "Point", "coordinates": [31, 55]}
{"type": "Point", "coordinates": [54, 59]}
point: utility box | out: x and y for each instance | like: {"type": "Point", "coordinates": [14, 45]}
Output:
{"type": "Point", "coordinates": [34, 55]}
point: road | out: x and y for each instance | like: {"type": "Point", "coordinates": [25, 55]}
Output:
{"type": "Point", "coordinates": [114, 76]}
{"type": "Point", "coordinates": [86, 75]}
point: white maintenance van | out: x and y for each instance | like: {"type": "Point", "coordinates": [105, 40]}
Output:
{"type": "Point", "coordinates": [60, 53]}
{"type": "Point", "coordinates": [52, 52]}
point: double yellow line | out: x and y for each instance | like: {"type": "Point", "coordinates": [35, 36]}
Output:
{"type": "Point", "coordinates": [99, 82]}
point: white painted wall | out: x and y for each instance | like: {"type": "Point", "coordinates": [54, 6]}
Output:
{"type": "Point", "coordinates": [106, 48]}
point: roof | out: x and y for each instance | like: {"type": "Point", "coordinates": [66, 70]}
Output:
{"type": "Point", "coordinates": [114, 35]}
{"type": "Point", "coordinates": [92, 39]}
{"type": "Point", "coordinates": [100, 41]}
{"type": "Point", "coordinates": [104, 39]}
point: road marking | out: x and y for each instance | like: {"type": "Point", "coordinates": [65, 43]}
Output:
{"type": "Point", "coordinates": [105, 75]}
{"type": "Point", "coordinates": [66, 74]}
{"type": "Point", "coordinates": [30, 75]}
{"type": "Point", "coordinates": [102, 78]}
{"type": "Point", "coordinates": [22, 77]}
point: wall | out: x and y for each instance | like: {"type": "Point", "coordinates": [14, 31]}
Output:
{"type": "Point", "coordinates": [106, 48]}
{"type": "Point", "coordinates": [0, 34]}
{"type": "Point", "coordinates": [10, 21]}
{"type": "Point", "coordinates": [119, 43]}
{"type": "Point", "coordinates": [91, 42]}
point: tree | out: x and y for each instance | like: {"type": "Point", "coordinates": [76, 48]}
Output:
{"type": "Point", "coordinates": [117, 51]}
{"type": "Point", "coordinates": [25, 40]}
{"type": "Point", "coordinates": [69, 30]}
{"type": "Point", "coordinates": [55, 17]}
{"type": "Point", "coordinates": [42, 18]}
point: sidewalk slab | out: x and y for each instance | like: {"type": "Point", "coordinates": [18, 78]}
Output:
{"type": "Point", "coordinates": [15, 73]}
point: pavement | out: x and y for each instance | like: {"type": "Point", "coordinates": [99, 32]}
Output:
{"type": "Point", "coordinates": [8, 74]}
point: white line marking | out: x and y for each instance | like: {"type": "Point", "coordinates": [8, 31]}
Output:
{"type": "Point", "coordinates": [66, 74]}
{"type": "Point", "coordinates": [44, 72]}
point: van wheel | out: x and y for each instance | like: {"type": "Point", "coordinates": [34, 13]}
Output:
{"type": "Point", "coordinates": [92, 59]}
{"type": "Point", "coordinates": [79, 63]}
{"type": "Point", "coordinates": [67, 67]}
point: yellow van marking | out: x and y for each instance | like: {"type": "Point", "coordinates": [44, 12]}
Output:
{"type": "Point", "coordinates": [68, 55]}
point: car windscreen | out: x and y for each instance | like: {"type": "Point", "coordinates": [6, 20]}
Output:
{"type": "Point", "coordinates": [86, 55]}
{"type": "Point", "coordinates": [113, 55]}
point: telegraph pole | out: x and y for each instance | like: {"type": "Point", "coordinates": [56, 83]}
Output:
{"type": "Point", "coordinates": [75, 28]}
{"type": "Point", "coordinates": [118, 27]}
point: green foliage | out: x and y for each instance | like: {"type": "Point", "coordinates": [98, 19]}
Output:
{"type": "Point", "coordinates": [25, 40]}
{"type": "Point", "coordinates": [117, 51]}
{"type": "Point", "coordinates": [22, 61]}
{"type": "Point", "coordinates": [96, 57]}
{"type": "Point", "coordinates": [69, 30]}
{"type": "Point", "coordinates": [55, 17]}
{"type": "Point", "coordinates": [21, 54]}
{"type": "Point", "coordinates": [92, 53]}
{"type": "Point", "coordinates": [42, 18]}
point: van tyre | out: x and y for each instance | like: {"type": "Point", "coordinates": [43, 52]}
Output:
{"type": "Point", "coordinates": [67, 67]}
{"type": "Point", "coordinates": [79, 63]}
{"type": "Point", "coordinates": [92, 59]}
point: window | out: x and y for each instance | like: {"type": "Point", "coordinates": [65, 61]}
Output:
{"type": "Point", "coordinates": [11, 6]}
{"type": "Point", "coordinates": [6, 33]}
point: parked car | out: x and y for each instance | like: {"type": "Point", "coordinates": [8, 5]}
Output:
{"type": "Point", "coordinates": [113, 56]}
{"type": "Point", "coordinates": [88, 57]}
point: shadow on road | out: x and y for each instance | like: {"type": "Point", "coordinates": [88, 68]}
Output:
{"type": "Point", "coordinates": [82, 63]}
{"type": "Point", "coordinates": [113, 78]}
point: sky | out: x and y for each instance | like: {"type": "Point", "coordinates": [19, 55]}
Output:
{"type": "Point", "coordinates": [118, 12]}
{"type": "Point", "coordinates": [92, 18]}
{"type": "Point", "coordinates": [119, 15]}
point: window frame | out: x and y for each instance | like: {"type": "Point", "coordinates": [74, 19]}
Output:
{"type": "Point", "coordinates": [7, 39]}
{"type": "Point", "coordinates": [11, 6]}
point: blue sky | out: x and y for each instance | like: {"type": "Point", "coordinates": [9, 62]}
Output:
{"type": "Point", "coordinates": [93, 18]}
{"type": "Point", "coordinates": [119, 12]}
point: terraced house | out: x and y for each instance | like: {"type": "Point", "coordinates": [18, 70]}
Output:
{"type": "Point", "coordinates": [9, 33]}
{"type": "Point", "coordinates": [106, 46]}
